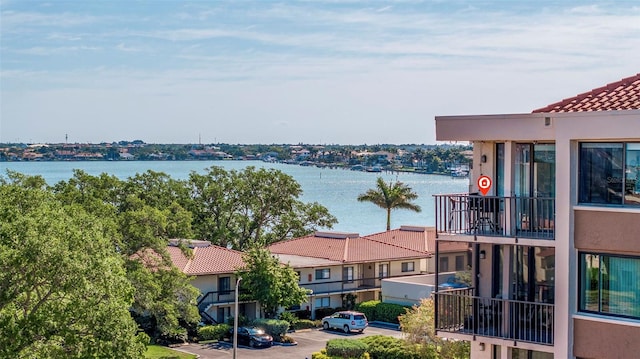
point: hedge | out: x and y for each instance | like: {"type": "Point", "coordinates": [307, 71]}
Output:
{"type": "Point", "coordinates": [378, 311]}
{"type": "Point", "coordinates": [213, 332]}
{"type": "Point", "coordinates": [345, 348]}
{"type": "Point", "coordinates": [274, 327]}
{"type": "Point", "coordinates": [383, 347]}
{"type": "Point", "coordinates": [322, 354]}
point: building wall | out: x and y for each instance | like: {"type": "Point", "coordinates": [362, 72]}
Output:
{"type": "Point", "coordinates": [604, 231]}
{"type": "Point", "coordinates": [605, 339]}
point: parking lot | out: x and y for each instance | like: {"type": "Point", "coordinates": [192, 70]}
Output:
{"type": "Point", "coordinates": [309, 341]}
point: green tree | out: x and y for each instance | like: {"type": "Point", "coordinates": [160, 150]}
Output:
{"type": "Point", "coordinates": [418, 326]}
{"type": "Point", "coordinates": [63, 287]}
{"type": "Point", "coordinates": [142, 214]}
{"type": "Point", "coordinates": [392, 196]}
{"type": "Point", "coordinates": [271, 283]}
{"type": "Point", "coordinates": [252, 207]}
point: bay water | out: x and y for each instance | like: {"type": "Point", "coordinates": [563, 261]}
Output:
{"type": "Point", "coordinates": [336, 189]}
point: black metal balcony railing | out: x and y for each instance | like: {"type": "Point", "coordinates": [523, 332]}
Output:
{"type": "Point", "coordinates": [470, 214]}
{"type": "Point", "coordinates": [458, 311]}
{"type": "Point", "coordinates": [328, 287]}
{"type": "Point", "coordinates": [343, 286]}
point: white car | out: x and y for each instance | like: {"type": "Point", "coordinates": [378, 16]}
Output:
{"type": "Point", "coordinates": [346, 320]}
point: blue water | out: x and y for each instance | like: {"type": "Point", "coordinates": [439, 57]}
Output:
{"type": "Point", "coordinates": [336, 189]}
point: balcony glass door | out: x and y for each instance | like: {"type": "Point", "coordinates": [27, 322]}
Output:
{"type": "Point", "coordinates": [534, 184]}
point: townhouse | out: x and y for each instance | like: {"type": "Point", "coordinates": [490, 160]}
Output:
{"type": "Point", "coordinates": [553, 220]}
{"type": "Point", "coordinates": [339, 269]}
{"type": "Point", "coordinates": [213, 269]}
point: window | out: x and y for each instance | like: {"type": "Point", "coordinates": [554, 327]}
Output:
{"type": "Point", "coordinates": [408, 267]}
{"type": "Point", "coordinates": [224, 285]}
{"type": "Point", "coordinates": [610, 173]}
{"type": "Point", "coordinates": [610, 284]}
{"type": "Point", "coordinates": [322, 302]}
{"type": "Point", "coordinates": [460, 263]}
{"type": "Point", "coordinates": [299, 275]}
{"type": "Point", "coordinates": [347, 274]}
{"type": "Point", "coordinates": [383, 270]}
{"type": "Point", "coordinates": [323, 273]}
{"type": "Point", "coordinates": [444, 264]}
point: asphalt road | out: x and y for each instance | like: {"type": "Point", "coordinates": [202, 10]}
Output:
{"type": "Point", "coordinates": [309, 341]}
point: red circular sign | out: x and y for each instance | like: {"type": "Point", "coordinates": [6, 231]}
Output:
{"type": "Point", "coordinates": [484, 184]}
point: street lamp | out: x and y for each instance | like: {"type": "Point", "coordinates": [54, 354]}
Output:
{"type": "Point", "coordinates": [235, 321]}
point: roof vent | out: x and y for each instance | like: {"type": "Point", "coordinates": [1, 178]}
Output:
{"type": "Point", "coordinates": [414, 228]}
{"type": "Point", "coordinates": [337, 235]}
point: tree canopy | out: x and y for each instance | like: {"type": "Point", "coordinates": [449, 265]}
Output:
{"type": "Point", "coordinates": [272, 284]}
{"type": "Point", "coordinates": [130, 222]}
{"type": "Point", "coordinates": [63, 286]}
{"type": "Point", "coordinates": [391, 196]}
{"type": "Point", "coordinates": [251, 207]}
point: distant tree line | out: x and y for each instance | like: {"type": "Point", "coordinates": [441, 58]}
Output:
{"type": "Point", "coordinates": [421, 158]}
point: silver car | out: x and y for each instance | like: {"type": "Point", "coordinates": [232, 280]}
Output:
{"type": "Point", "coordinates": [346, 320]}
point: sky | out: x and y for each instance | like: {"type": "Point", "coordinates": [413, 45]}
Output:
{"type": "Point", "coordinates": [288, 72]}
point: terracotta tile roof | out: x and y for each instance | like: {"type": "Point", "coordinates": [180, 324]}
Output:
{"type": "Point", "coordinates": [417, 238]}
{"type": "Point", "coordinates": [207, 260]}
{"type": "Point", "coordinates": [343, 248]}
{"type": "Point", "coordinates": [620, 95]}
{"type": "Point", "coordinates": [412, 237]}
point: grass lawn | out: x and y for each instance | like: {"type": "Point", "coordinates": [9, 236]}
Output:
{"type": "Point", "coordinates": [160, 352]}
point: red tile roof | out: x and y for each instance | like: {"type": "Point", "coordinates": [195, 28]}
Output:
{"type": "Point", "coordinates": [620, 95]}
{"type": "Point", "coordinates": [417, 238]}
{"type": "Point", "coordinates": [343, 248]}
{"type": "Point", "coordinates": [207, 260]}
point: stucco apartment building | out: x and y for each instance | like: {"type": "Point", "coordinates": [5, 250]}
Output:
{"type": "Point", "coordinates": [334, 266]}
{"type": "Point", "coordinates": [553, 218]}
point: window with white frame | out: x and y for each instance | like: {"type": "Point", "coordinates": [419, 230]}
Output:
{"type": "Point", "coordinates": [347, 274]}
{"type": "Point", "coordinates": [383, 270]}
{"type": "Point", "coordinates": [408, 266]}
{"type": "Point", "coordinates": [324, 273]}
{"type": "Point", "coordinates": [323, 302]}
{"type": "Point", "coordinates": [610, 284]}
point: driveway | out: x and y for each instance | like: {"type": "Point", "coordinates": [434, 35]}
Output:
{"type": "Point", "coordinates": [309, 341]}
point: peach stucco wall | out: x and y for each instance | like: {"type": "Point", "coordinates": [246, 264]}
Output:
{"type": "Point", "coordinates": [596, 339]}
{"type": "Point", "coordinates": [603, 231]}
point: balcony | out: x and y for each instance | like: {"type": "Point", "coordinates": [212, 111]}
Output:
{"type": "Point", "coordinates": [517, 217]}
{"type": "Point", "coordinates": [458, 311]}
{"type": "Point", "coordinates": [343, 286]}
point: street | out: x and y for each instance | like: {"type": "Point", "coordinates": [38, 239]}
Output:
{"type": "Point", "coordinates": [309, 341]}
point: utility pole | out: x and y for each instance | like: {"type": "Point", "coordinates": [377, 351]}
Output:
{"type": "Point", "coordinates": [235, 322]}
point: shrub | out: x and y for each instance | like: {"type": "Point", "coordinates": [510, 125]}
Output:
{"type": "Point", "coordinates": [276, 328]}
{"type": "Point", "coordinates": [290, 318]}
{"type": "Point", "coordinates": [322, 354]}
{"type": "Point", "coordinates": [368, 308]}
{"type": "Point", "coordinates": [346, 348]}
{"type": "Point", "coordinates": [242, 321]}
{"type": "Point", "coordinates": [323, 312]}
{"type": "Point", "coordinates": [384, 312]}
{"type": "Point", "coordinates": [303, 314]}
{"type": "Point", "coordinates": [307, 324]}
{"type": "Point", "coordinates": [383, 347]}
{"type": "Point", "coordinates": [389, 312]}
{"type": "Point", "coordinates": [213, 332]}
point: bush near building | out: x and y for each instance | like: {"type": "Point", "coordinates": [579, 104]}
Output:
{"type": "Point", "coordinates": [375, 310]}
{"type": "Point", "coordinates": [213, 332]}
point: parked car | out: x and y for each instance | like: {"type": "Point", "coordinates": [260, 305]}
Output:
{"type": "Point", "coordinates": [452, 283]}
{"type": "Point", "coordinates": [253, 337]}
{"type": "Point", "coordinates": [346, 320]}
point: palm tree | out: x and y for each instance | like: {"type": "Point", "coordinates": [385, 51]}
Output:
{"type": "Point", "coordinates": [391, 196]}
